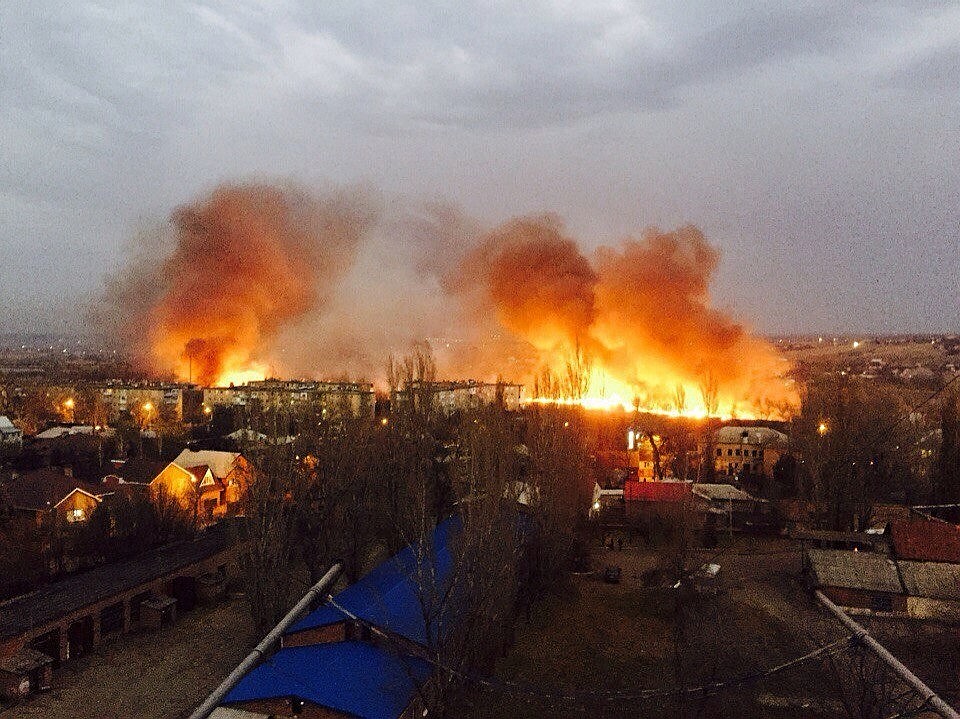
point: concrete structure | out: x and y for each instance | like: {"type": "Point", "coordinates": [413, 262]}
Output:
{"type": "Point", "coordinates": [450, 397]}
{"type": "Point", "coordinates": [178, 399]}
{"type": "Point", "coordinates": [70, 617]}
{"type": "Point", "coordinates": [752, 449]}
{"type": "Point", "coordinates": [328, 399]}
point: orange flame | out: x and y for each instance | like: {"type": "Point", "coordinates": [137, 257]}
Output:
{"type": "Point", "coordinates": [631, 329]}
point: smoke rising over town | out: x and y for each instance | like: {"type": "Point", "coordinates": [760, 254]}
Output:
{"type": "Point", "coordinates": [257, 280]}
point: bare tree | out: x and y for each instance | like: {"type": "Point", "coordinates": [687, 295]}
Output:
{"type": "Point", "coordinates": [710, 393]}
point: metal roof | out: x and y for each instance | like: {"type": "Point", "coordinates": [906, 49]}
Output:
{"type": "Point", "coordinates": [722, 492]}
{"type": "Point", "coordinates": [854, 570]}
{"type": "Point", "coordinates": [931, 580]}
{"type": "Point", "coordinates": [58, 599]}
{"type": "Point", "coordinates": [392, 596]}
{"type": "Point", "coordinates": [926, 540]}
{"type": "Point", "coordinates": [355, 678]}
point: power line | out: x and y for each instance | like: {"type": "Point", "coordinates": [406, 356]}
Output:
{"type": "Point", "coordinates": [530, 691]}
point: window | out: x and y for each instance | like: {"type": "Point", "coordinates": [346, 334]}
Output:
{"type": "Point", "coordinates": [738, 452]}
{"type": "Point", "coordinates": [719, 452]}
{"type": "Point", "coordinates": [76, 515]}
{"type": "Point", "coordinates": [729, 452]}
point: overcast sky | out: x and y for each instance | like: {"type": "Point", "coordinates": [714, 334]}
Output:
{"type": "Point", "coordinates": [816, 143]}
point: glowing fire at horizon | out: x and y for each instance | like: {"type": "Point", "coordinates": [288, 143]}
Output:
{"type": "Point", "coordinates": [629, 326]}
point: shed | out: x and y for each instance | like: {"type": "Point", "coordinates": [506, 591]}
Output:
{"type": "Point", "coordinates": [933, 589]}
{"type": "Point", "coordinates": [158, 610]}
{"type": "Point", "coordinates": [25, 672]}
{"type": "Point", "coordinates": [857, 580]}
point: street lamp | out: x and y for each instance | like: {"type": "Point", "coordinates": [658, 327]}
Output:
{"type": "Point", "coordinates": [822, 429]}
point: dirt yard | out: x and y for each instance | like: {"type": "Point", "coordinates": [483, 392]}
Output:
{"type": "Point", "coordinates": [149, 675]}
{"type": "Point", "coordinates": [606, 637]}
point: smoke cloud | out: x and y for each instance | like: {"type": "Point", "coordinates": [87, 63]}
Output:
{"type": "Point", "coordinates": [246, 261]}
{"type": "Point", "coordinates": [260, 279]}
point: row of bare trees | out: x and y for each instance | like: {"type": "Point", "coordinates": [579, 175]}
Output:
{"type": "Point", "coordinates": [356, 490]}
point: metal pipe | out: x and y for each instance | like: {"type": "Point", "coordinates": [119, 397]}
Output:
{"type": "Point", "coordinates": [929, 697]}
{"type": "Point", "coordinates": [211, 702]}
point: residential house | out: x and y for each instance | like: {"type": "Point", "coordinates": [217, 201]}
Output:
{"type": "Point", "coordinates": [212, 482]}
{"type": "Point", "coordinates": [50, 495]}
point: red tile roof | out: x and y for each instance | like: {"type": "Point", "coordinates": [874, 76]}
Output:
{"type": "Point", "coordinates": [635, 491]}
{"type": "Point", "coordinates": [926, 540]}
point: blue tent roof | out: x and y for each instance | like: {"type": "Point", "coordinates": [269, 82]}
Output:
{"type": "Point", "coordinates": [352, 677]}
{"type": "Point", "coordinates": [392, 596]}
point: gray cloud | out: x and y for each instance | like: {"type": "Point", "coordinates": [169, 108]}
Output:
{"type": "Point", "coordinates": [810, 140]}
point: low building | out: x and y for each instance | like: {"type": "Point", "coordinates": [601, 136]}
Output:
{"type": "Point", "coordinates": [753, 450]}
{"type": "Point", "coordinates": [724, 499]}
{"type": "Point", "coordinates": [50, 495]}
{"type": "Point", "coordinates": [933, 590]}
{"type": "Point", "coordinates": [857, 580]}
{"type": "Point", "coordinates": [10, 434]}
{"type": "Point", "coordinates": [357, 679]}
{"type": "Point", "coordinates": [333, 665]}
{"type": "Point", "coordinates": [70, 617]}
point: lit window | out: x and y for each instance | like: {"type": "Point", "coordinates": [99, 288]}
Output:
{"type": "Point", "coordinates": [76, 515]}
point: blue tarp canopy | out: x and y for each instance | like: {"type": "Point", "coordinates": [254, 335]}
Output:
{"type": "Point", "coordinates": [399, 594]}
{"type": "Point", "coordinates": [356, 678]}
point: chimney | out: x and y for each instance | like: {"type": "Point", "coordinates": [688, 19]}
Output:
{"type": "Point", "coordinates": [68, 471]}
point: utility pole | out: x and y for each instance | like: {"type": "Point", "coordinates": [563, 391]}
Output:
{"type": "Point", "coordinates": [929, 697]}
{"type": "Point", "coordinates": [259, 651]}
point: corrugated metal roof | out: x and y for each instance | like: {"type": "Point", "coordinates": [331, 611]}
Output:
{"type": "Point", "coordinates": [356, 678]}
{"type": "Point", "coordinates": [932, 580]}
{"type": "Point", "coordinates": [391, 596]}
{"type": "Point", "coordinates": [854, 570]}
{"type": "Point", "coordinates": [722, 492]}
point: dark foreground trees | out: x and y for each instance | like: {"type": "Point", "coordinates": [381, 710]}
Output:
{"type": "Point", "coordinates": [357, 490]}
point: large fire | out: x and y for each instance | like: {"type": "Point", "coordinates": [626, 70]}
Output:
{"type": "Point", "coordinates": [626, 326]}
{"type": "Point", "coordinates": [247, 260]}
{"type": "Point", "coordinates": [630, 329]}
